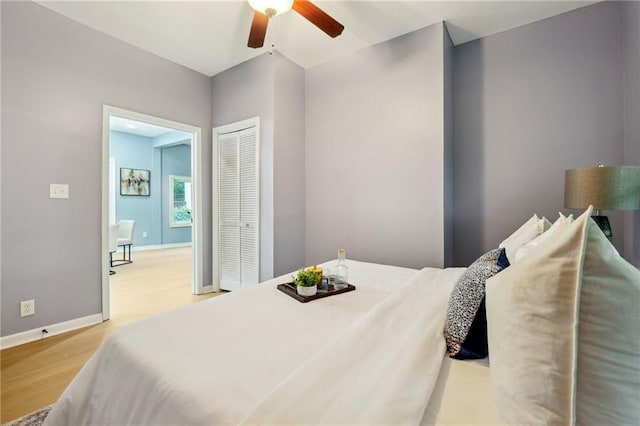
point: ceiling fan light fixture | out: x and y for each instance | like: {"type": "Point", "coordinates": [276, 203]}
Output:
{"type": "Point", "coordinates": [271, 8]}
{"type": "Point", "coordinates": [265, 9]}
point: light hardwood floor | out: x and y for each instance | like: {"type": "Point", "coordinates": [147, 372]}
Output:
{"type": "Point", "coordinates": [34, 375]}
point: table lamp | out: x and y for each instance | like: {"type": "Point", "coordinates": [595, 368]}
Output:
{"type": "Point", "coordinates": [605, 188]}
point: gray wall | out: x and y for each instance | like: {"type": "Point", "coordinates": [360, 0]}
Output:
{"type": "Point", "coordinates": [375, 155]}
{"type": "Point", "coordinates": [288, 165]}
{"type": "Point", "coordinates": [242, 92]}
{"type": "Point", "coordinates": [56, 75]}
{"type": "Point", "coordinates": [449, 166]}
{"type": "Point", "coordinates": [271, 87]}
{"type": "Point", "coordinates": [528, 104]}
{"type": "Point", "coordinates": [631, 55]}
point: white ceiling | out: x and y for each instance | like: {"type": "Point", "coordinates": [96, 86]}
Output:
{"type": "Point", "coordinates": [141, 128]}
{"type": "Point", "coordinates": [211, 36]}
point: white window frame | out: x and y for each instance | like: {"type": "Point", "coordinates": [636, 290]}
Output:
{"type": "Point", "coordinates": [172, 223]}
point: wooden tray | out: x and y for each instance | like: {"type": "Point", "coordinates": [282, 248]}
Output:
{"type": "Point", "coordinates": [290, 289]}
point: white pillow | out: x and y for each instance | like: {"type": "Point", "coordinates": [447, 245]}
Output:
{"type": "Point", "coordinates": [608, 336]}
{"type": "Point", "coordinates": [532, 327]}
{"type": "Point", "coordinates": [560, 223]}
{"type": "Point", "coordinates": [563, 332]}
{"type": "Point", "coordinates": [527, 232]}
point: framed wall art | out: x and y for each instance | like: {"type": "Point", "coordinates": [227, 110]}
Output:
{"type": "Point", "coordinates": [134, 182]}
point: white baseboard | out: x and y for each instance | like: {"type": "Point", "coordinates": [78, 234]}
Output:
{"type": "Point", "coordinates": [159, 246]}
{"type": "Point", "coordinates": [53, 329]}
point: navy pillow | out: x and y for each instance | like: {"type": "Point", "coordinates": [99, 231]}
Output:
{"type": "Point", "coordinates": [503, 261]}
{"type": "Point", "coordinates": [475, 344]}
{"type": "Point", "coordinates": [466, 328]}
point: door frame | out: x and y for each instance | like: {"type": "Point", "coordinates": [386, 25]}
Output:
{"type": "Point", "coordinates": [197, 272]}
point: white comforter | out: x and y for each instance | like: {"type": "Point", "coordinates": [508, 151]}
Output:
{"type": "Point", "coordinates": [258, 356]}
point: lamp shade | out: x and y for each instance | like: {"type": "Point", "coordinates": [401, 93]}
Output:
{"type": "Point", "coordinates": [605, 188]}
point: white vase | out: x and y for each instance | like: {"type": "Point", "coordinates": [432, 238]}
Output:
{"type": "Point", "coordinates": [307, 291]}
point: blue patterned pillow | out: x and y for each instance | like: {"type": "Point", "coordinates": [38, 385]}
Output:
{"type": "Point", "coordinates": [466, 328]}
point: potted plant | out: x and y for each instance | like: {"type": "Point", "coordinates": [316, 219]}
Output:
{"type": "Point", "coordinates": [306, 281]}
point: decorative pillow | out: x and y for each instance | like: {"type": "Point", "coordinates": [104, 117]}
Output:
{"type": "Point", "coordinates": [559, 224]}
{"type": "Point", "coordinates": [527, 232]}
{"type": "Point", "coordinates": [466, 328]}
{"type": "Point", "coordinates": [503, 262]}
{"type": "Point", "coordinates": [563, 332]}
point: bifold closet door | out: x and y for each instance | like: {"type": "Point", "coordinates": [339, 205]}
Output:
{"type": "Point", "coordinates": [238, 209]}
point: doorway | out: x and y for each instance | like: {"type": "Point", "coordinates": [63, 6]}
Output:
{"type": "Point", "coordinates": [111, 181]}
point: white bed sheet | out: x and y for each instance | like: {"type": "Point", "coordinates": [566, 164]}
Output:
{"type": "Point", "coordinates": [214, 362]}
{"type": "Point", "coordinates": [382, 370]}
{"type": "Point", "coordinates": [206, 364]}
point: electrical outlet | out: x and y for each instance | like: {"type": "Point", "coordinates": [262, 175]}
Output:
{"type": "Point", "coordinates": [27, 307]}
{"type": "Point", "coordinates": [144, 235]}
{"type": "Point", "coordinates": [58, 190]}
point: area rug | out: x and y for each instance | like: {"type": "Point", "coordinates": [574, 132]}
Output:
{"type": "Point", "coordinates": [33, 419]}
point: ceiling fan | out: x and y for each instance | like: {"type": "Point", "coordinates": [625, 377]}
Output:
{"type": "Point", "coordinates": [265, 9]}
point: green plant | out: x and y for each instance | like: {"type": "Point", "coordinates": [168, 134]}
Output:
{"type": "Point", "coordinates": [307, 277]}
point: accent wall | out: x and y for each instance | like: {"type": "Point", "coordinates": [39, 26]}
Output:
{"type": "Point", "coordinates": [151, 213]}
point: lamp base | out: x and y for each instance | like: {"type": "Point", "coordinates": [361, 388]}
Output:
{"type": "Point", "coordinates": [603, 224]}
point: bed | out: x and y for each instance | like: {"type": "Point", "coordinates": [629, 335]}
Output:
{"type": "Point", "coordinates": [371, 356]}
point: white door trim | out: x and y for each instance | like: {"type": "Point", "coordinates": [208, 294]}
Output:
{"type": "Point", "coordinates": [112, 190]}
{"type": "Point", "coordinates": [196, 173]}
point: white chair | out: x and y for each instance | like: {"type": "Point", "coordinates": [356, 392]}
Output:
{"type": "Point", "coordinates": [125, 240]}
{"type": "Point", "coordinates": [113, 245]}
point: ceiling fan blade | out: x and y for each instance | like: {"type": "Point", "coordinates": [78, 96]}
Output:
{"type": "Point", "coordinates": [318, 17]}
{"type": "Point", "coordinates": [258, 30]}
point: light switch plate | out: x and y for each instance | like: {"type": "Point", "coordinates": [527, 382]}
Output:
{"type": "Point", "coordinates": [58, 190]}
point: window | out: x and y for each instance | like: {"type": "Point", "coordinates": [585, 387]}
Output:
{"type": "Point", "coordinates": [179, 201]}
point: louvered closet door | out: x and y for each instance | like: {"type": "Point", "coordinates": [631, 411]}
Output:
{"type": "Point", "coordinates": [238, 209]}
